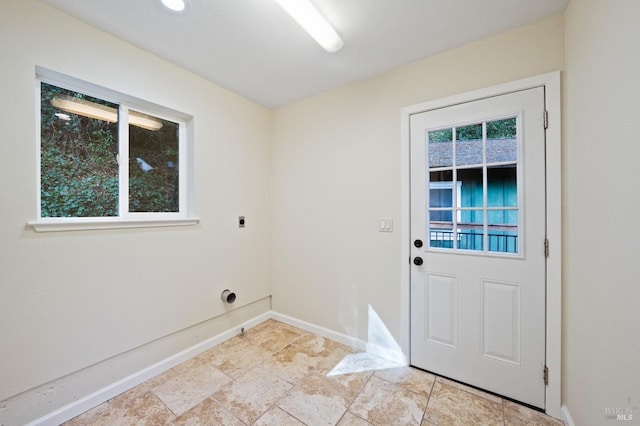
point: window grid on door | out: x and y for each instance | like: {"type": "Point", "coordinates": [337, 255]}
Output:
{"type": "Point", "coordinates": [482, 214]}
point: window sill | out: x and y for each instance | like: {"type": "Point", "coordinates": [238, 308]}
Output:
{"type": "Point", "coordinates": [76, 224]}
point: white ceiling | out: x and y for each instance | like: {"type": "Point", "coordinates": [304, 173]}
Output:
{"type": "Point", "coordinates": [255, 49]}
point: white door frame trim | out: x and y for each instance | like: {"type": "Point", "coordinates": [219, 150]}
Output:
{"type": "Point", "coordinates": [551, 84]}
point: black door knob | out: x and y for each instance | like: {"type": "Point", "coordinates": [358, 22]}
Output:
{"type": "Point", "coordinates": [417, 261]}
{"type": "Point", "coordinates": [417, 243]}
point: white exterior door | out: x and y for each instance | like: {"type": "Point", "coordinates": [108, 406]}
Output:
{"type": "Point", "coordinates": [478, 223]}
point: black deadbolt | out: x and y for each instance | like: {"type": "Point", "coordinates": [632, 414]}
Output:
{"type": "Point", "coordinates": [417, 243]}
{"type": "Point", "coordinates": [417, 261]}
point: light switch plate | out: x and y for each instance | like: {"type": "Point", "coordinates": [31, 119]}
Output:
{"type": "Point", "coordinates": [385, 224]}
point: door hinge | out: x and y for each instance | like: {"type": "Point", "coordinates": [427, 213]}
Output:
{"type": "Point", "coordinates": [546, 247]}
{"type": "Point", "coordinates": [545, 119]}
{"type": "Point", "coordinates": [545, 375]}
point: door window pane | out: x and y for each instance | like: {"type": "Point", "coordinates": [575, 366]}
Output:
{"type": "Point", "coordinates": [469, 145]}
{"type": "Point", "coordinates": [471, 230]}
{"type": "Point", "coordinates": [440, 148]}
{"type": "Point", "coordinates": [443, 176]}
{"type": "Point", "coordinates": [441, 216]}
{"type": "Point", "coordinates": [502, 217]}
{"type": "Point", "coordinates": [502, 145]}
{"type": "Point", "coordinates": [441, 196]}
{"type": "Point", "coordinates": [502, 186]}
{"type": "Point", "coordinates": [153, 164]}
{"type": "Point", "coordinates": [503, 231]}
{"type": "Point", "coordinates": [471, 194]}
{"type": "Point", "coordinates": [441, 235]}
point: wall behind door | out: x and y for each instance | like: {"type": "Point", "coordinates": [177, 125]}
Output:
{"type": "Point", "coordinates": [335, 165]}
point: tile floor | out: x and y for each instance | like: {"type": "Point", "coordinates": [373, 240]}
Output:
{"type": "Point", "coordinates": [280, 375]}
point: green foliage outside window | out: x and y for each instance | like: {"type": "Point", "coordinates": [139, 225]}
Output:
{"type": "Point", "coordinates": [79, 160]}
{"type": "Point", "coordinates": [154, 190]}
{"type": "Point", "coordinates": [78, 164]}
{"type": "Point", "coordinates": [500, 129]}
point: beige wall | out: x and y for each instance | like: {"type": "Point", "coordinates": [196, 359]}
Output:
{"type": "Point", "coordinates": [70, 300]}
{"type": "Point", "coordinates": [601, 202]}
{"type": "Point", "coordinates": [335, 169]}
{"type": "Point", "coordinates": [73, 299]}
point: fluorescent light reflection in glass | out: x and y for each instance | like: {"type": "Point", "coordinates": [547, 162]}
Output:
{"type": "Point", "coordinates": [101, 112]}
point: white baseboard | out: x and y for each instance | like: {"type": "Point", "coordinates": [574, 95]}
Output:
{"type": "Point", "coordinates": [566, 416]}
{"type": "Point", "coordinates": [93, 400]}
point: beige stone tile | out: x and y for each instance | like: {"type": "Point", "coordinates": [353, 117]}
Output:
{"type": "Point", "coordinates": [235, 357]}
{"type": "Point", "coordinates": [328, 376]}
{"type": "Point", "coordinates": [220, 350]}
{"type": "Point", "coordinates": [208, 412]}
{"type": "Point", "coordinates": [190, 364]}
{"type": "Point", "coordinates": [318, 344]}
{"type": "Point", "coordinates": [271, 325]}
{"type": "Point", "coordinates": [210, 356]}
{"type": "Point", "coordinates": [329, 362]}
{"type": "Point", "coordinates": [469, 389]}
{"type": "Point", "coordinates": [350, 419]}
{"type": "Point", "coordinates": [227, 344]}
{"type": "Point", "coordinates": [190, 387]}
{"type": "Point", "coordinates": [352, 382]}
{"type": "Point", "coordinates": [127, 398]}
{"type": "Point", "coordinates": [410, 378]}
{"type": "Point", "coordinates": [277, 416]}
{"type": "Point", "coordinates": [342, 362]}
{"type": "Point", "coordinates": [450, 405]}
{"type": "Point", "coordinates": [252, 394]}
{"type": "Point", "coordinates": [263, 325]}
{"type": "Point", "coordinates": [316, 400]}
{"type": "Point", "coordinates": [100, 415]}
{"type": "Point", "coordinates": [384, 403]}
{"type": "Point", "coordinates": [273, 335]}
{"type": "Point", "coordinates": [282, 325]}
{"type": "Point", "coordinates": [143, 410]}
{"type": "Point", "coordinates": [518, 415]}
{"type": "Point", "coordinates": [293, 363]}
{"type": "Point", "coordinates": [147, 410]}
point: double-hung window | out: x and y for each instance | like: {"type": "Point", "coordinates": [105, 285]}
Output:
{"type": "Point", "coordinates": [108, 160]}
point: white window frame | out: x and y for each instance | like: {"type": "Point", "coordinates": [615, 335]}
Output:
{"type": "Point", "coordinates": [455, 206]}
{"type": "Point", "coordinates": [455, 199]}
{"type": "Point", "coordinates": [125, 218]}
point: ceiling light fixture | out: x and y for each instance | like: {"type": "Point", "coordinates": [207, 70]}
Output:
{"type": "Point", "coordinates": [177, 6]}
{"type": "Point", "coordinates": [314, 23]}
